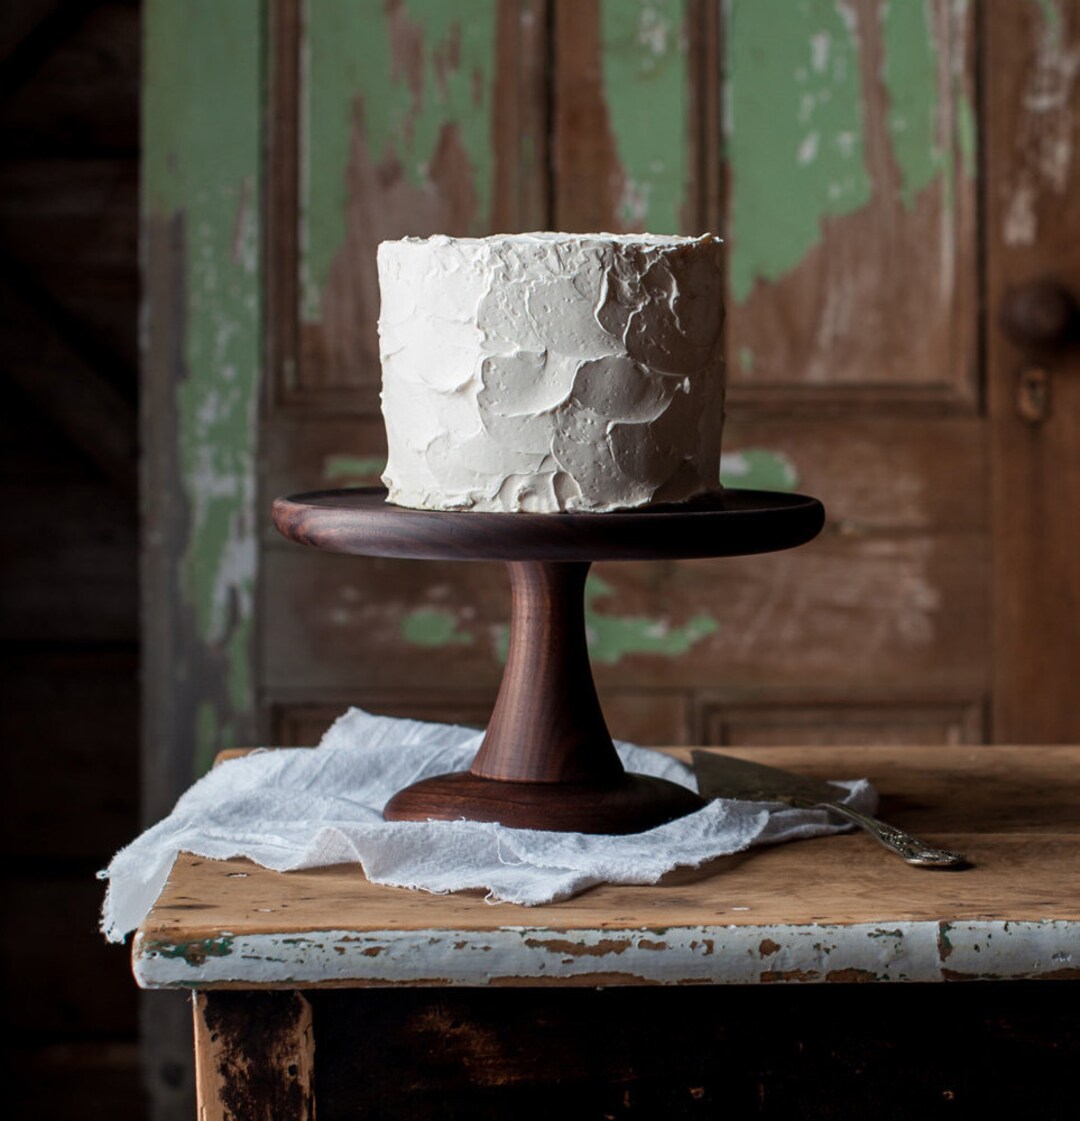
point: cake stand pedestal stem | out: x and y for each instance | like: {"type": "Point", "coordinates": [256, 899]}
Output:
{"type": "Point", "coordinates": [547, 725]}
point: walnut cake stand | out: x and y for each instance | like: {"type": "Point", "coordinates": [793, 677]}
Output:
{"type": "Point", "coordinates": [547, 760]}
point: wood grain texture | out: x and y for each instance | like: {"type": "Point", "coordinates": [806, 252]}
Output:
{"type": "Point", "coordinates": [794, 718]}
{"type": "Point", "coordinates": [901, 612]}
{"type": "Point", "coordinates": [882, 474]}
{"type": "Point", "coordinates": [1010, 808]}
{"type": "Point", "coordinates": [584, 148]}
{"type": "Point", "coordinates": [414, 120]}
{"type": "Point", "coordinates": [283, 185]}
{"type": "Point", "coordinates": [201, 255]}
{"type": "Point", "coordinates": [547, 728]}
{"type": "Point", "coordinates": [254, 1058]}
{"type": "Point", "coordinates": [850, 206]}
{"type": "Point", "coordinates": [615, 806]}
{"type": "Point", "coordinates": [547, 760]}
{"type": "Point", "coordinates": [635, 715]}
{"type": "Point", "coordinates": [547, 725]}
{"type": "Point", "coordinates": [1033, 227]}
{"type": "Point", "coordinates": [833, 1052]}
{"type": "Point", "coordinates": [362, 522]}
{"type": "Point", "coordinates": [627, 116]}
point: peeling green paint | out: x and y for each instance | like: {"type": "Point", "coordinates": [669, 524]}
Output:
{"type": "Point", "coordinates": [207, 736]}
{"type": "Point", "coordinates": [1051, 17]}
{"type": "Point", "coordinates": [758, 469]}
{"type": "Point", "coordinates": [966, 133]}
{"type": "Point", "coordinates": [794, 122]}
{"type": "Point", "coordinates": [645, 87]}
{"type": "Point", "coordinates": [910, 75]}
{"type": "Point", "coordinates": [794, 131]}
{"type": "Point", "coordinates": [353, 470]}
{"type": "Point", "coordinates": [402, 98]}
{"type": "Point", "coordinates": [194, 953]}
{"type": "Point", "coordinates": [612, 637]}
{"type": "Point", "coordinates": [500, 641]}
{"type": "Point", "coordinates": [202, 117]}
{"type": "Point", "coordinates": [432, 626]}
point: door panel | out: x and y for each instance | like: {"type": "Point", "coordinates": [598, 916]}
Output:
{"type": "Point", "coordinates": [414, 119]}
{"type": "Point", "coordinates": [836, 149]}
{"type": "Point", "coordinates": [1033, 232]}
{"type": "Point", "coordinates": [850, 208]}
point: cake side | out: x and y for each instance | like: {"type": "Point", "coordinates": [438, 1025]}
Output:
{"type": "Point", "coordinates": [551, 372]}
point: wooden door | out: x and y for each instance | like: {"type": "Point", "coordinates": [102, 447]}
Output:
{"type": "Point", "coordinates": [883, 174]}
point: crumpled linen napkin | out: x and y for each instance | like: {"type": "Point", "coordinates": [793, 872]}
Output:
{"type": "Point", "coordinates": [295, 808]}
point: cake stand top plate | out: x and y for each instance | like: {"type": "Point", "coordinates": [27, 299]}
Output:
{"type": "Point", "coordinates": [728, 523]}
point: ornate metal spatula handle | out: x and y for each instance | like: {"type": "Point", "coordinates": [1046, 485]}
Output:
{"type": "Point", "coordinates": [903, 844]}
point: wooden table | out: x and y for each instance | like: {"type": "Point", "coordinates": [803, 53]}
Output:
{"type": "Point", "coordinates": [445, 1006]}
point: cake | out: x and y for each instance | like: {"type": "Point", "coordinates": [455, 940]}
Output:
{"type": "Point", "coordinates": [549, 372]}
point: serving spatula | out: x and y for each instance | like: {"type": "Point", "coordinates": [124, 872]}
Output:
{"type": "Point", "coordinates": [724, 776]}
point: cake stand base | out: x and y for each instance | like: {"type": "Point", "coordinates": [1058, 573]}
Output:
{"type": "Point", "coordinates": [632, 804]}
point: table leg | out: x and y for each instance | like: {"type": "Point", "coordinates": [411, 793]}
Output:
{"type": "Point", "coordinates": [254, 1056]}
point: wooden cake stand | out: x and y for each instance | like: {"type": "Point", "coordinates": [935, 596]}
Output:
{"type": "Point", "coordinates": [547, 760]}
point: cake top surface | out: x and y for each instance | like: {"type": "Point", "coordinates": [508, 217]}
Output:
{"type": "Point", "coordinates": [660, 241]}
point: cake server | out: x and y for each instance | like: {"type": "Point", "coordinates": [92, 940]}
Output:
{"type": "Point", "coordinates": [724, 776]}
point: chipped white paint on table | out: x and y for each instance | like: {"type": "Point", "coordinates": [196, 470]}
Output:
{"type": "Point", "coordinates": [832, 909]}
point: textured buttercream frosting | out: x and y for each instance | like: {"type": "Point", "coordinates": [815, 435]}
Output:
{"type": "Point", "coordinates": [551, 372]}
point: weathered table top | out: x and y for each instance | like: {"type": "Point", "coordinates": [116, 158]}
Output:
{"type": "Point", "coordinates": [836, 908]}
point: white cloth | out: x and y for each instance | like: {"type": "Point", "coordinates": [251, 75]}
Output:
{"type": "Point", "coordinates": [303, 808]}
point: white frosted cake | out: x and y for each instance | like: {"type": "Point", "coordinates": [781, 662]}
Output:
{"type": "Point", "coordinates": [551, 372]}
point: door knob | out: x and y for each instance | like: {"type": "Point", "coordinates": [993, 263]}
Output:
{"type": "Point", "coordinates": [1041, 317]}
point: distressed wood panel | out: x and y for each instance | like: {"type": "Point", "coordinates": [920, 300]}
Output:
{"type": "Point", "coordinates": [850, 210]}
{"type": "Point", "coordinates": [622, 128]}
{"type": "Point", "coordinates": [650, 717]}
{"type": "Point", "coordinates": [1012, 809]}
{"type": "Point", "coordinates": [791, 720]}
{"type": "Point", "coordinates": [882, 474]}
{"type": "Point", "coordinates": [835, 1052]}
{"type": "Point", "coordinates": [847, 610]}
{"type": "Point", "coordinates": [303, 724]}
{"type": "Point", "coordinates": [201, 369]}
{"type": "Point", "coordinates": [415, 119]}
{"type": "Point", "coordinates": [1033, 231]}
{"type": "Point", "coordinates": [640, 716]}
{"type": "Point", "coordinates": [849, 179]}
{"type": "Point", "coordinates": [315, 452]}
{"type": "Point", "coordinates": [254, 1057]}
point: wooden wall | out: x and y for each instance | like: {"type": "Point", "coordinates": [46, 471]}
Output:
{"type": "Point", "coordinates": [836, 151]}
{"type": "Point", "coordinates": [69, 151]}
